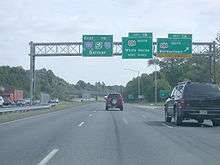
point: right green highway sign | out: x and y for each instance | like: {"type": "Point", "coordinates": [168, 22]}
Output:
{"type": "Point", "coordinates": [175, 46]}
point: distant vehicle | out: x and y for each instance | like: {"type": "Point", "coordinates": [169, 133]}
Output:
{"type": "Point", "coordinates": [1, 101]}
{"type": "Point", "coordinates": [7, 101]}
{"type": "Point", "coordinates": [54, 101]}
{"type": "Point", "coordinates": [36, 102]}
{"type": "Point", "coordinates": [21, 102]}
{"type": "Point", "coordinates": [27, 101]}
{"type": "Point", "coordinates": [114, 101]}
{"type": "Point", "coordinates": [193, 100]}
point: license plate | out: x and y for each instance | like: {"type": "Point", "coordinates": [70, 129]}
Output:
{"type": "Point", "coordinates": [114, 101]}
{"type": "Point", "coordinates": [202, 112]}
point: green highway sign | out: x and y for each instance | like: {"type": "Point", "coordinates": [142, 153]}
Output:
{"type": "Point", "coordinates": [97, 45]}
{"type": "Point", "coordinates": [130, 97]}
{"type": "Point", "coordinates": [136, 47]}
{"type": "Point", "coordinates": [140, 34]}
{"type": "Point", "coordinates": [174, 48]}
{"type": "Point", "coordinates": [164, 93]}
{"type": "Point", "coordinates": [186, 36]}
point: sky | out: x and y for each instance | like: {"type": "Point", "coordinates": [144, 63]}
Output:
{"type": "Point", "coordinates": [22, 21]}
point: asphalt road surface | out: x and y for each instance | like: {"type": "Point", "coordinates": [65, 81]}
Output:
{"type": "Point", "coordinates": [89, 135]}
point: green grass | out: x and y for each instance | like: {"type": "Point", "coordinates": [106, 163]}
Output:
{"type": "Point", "coordinates": [19, 115]}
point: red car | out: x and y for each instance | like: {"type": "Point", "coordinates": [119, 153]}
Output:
{"type": "Point", "coordinates": [114, 101]}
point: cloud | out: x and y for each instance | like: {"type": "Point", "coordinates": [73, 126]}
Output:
{"type": "Point", "coordinates": [67, 20]}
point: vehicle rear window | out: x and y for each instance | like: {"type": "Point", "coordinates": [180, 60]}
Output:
{"type": "Point", "coordinates": [201, 91]}
{"type": "Point", "coordinates": [114, 96]}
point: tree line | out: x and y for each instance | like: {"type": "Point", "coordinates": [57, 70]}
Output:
{"type": "Point", "coordinates": [48, 82]}
{"type": "Point", "coordinates": [171, 72]}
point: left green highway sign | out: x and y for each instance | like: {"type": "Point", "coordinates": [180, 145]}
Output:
{"type": "Point", "coordinates": [97, 45]}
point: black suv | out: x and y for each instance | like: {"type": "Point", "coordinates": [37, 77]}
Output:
{"type": "Point", "coordinates": [193, 100]}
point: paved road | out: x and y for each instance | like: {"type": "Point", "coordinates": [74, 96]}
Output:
{"type": "Point", "coordinates": [88, 135]}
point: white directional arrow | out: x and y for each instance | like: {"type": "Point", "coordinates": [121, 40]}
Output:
{"type": "Point", "coordinates": [187, 48]}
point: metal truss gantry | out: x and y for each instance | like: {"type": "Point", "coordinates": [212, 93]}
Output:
{"type": "Point", "coordinates": [75, 48]}
{"type": "Point", "coordinates": [202, 49]}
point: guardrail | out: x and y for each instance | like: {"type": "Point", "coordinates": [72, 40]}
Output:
{"type": "Point", "coordinates": [24, 109]}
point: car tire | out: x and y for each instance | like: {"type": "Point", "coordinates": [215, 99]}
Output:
{"type": "Point", "coordinates": [121, 109]}
{"type": "Point", "coordinates": [167, 118]}
{"type": "Point", "coordinates": [216, 122]}
{"type": "Point", "coordinates": [177, 117]}
{"type": "Point", "coordinates": [106, 108]}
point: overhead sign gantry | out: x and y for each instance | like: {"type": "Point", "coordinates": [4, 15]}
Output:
{"type": "Point", "coordinates": [141, 44]}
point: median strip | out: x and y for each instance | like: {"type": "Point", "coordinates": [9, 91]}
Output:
{"type": "Point", "coordinates": [17, 113]}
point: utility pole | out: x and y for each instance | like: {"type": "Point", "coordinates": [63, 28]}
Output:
{"type": "Point", "coordinates": [32, 70]}
{"type": "Point", "coordinates": [139, 86]}
{"type": "Point", "coordinates": [214, 61]}
{"type": "Point", "coordinates": [138, 79]}
{"type": "Point", "coordinates": [155, 82]}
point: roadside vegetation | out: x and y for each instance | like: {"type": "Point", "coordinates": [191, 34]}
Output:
{"type": "Point", "coordinates": [171, 72]}
{"type": "Point", "coordinates": [48, 82]}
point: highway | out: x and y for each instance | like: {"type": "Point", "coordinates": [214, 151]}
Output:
{"type": "Point", "coordinates": [89, 135]}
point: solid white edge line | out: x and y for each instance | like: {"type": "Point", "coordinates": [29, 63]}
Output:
{"type": "Point", "coordinates": [81, 124]}
{"type": "Point", "coordinates": [48, 157]}
{"type": "Point", "coordinates": [167, 125]}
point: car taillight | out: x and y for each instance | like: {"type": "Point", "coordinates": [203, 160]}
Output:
{"type": "Point", "coordinates": [119, 99]}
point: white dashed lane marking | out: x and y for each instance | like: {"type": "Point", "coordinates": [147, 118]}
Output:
{"type": "Point", "coordinates": [81, 124]}
{"type": "Point", "coordinates": [125, 121]}
{"type": "Point", "coordinates": [143, 116]}
{"type": "Point", "coordinates": [48, 157]}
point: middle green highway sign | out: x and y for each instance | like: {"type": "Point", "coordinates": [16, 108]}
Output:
{"type": "Point", "coordinates": [137, 47]}
{"type": "Point", "coordinates": [97, 45]}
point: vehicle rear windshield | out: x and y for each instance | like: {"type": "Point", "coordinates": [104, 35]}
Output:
{"type": "Point", "coordinates": [201, 91]}
{"type": "Point", "coordinates": [113, 96]}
